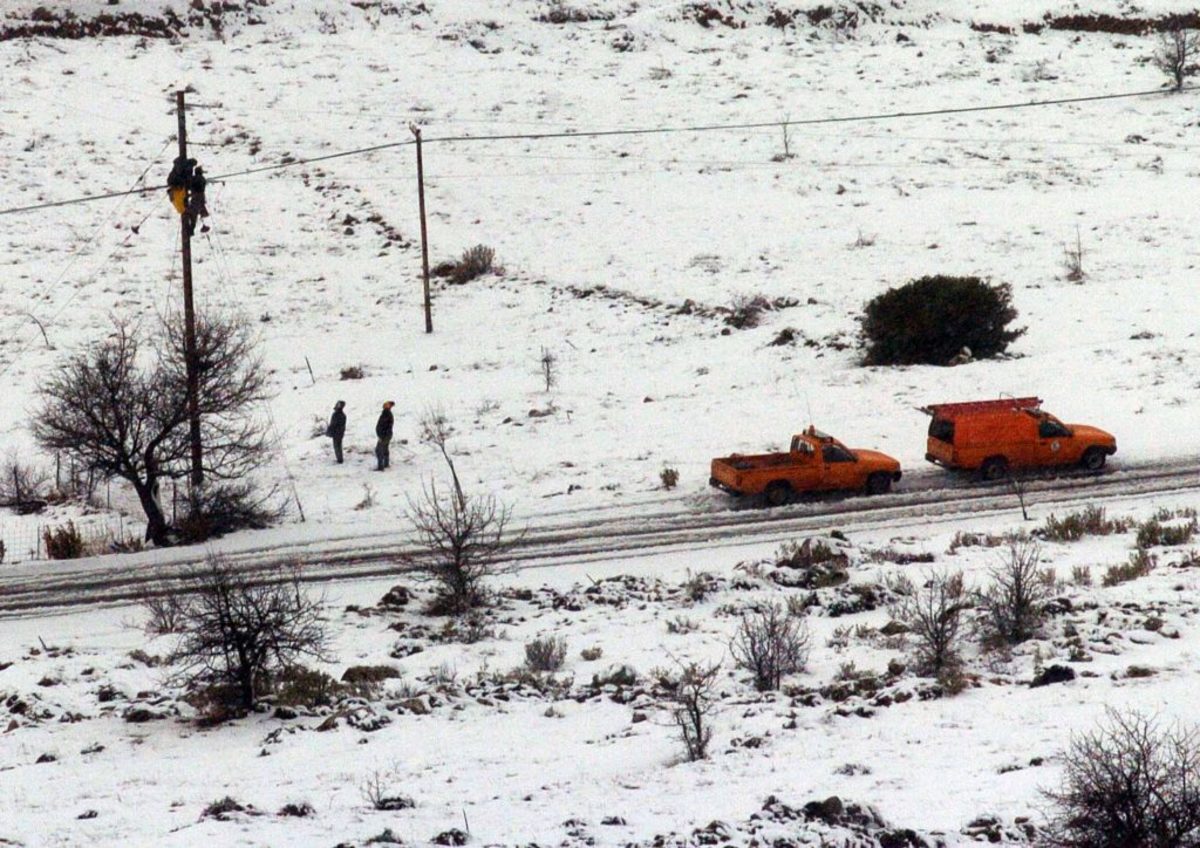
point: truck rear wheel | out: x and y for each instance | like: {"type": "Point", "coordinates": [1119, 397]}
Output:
{"type": "Point", "coordinates": [1094, 459]}
{"type": "Point", "coordinates": [993, 468]}
{"type": "Point", "coordinates": [879, 484]}
{"type": "Point", "coordinates": [777, 493]}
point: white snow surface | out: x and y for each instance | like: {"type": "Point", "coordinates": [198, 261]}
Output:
{"type": "Point", "coordinates": [656, 220]}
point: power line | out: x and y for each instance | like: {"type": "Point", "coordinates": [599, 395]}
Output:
{"type": "Point", "coordinates": [632, 131]}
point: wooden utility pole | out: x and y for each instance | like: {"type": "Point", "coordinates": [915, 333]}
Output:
{"type": "Point", "coordinates": [189, 318]}
{"type": "Point", "coordinates": [424, 235]}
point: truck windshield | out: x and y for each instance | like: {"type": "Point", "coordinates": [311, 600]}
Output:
{"type": "Point", "coordinates": [941, 429]}
{"type": "Point", "coordinates": [1049, 428]}
{"type": "Point", "coordinates": [833, 453]}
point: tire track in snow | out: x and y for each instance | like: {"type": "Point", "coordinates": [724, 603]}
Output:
{"type": "Point", "coordinates": [601, 534]}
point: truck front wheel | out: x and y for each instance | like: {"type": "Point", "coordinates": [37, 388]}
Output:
{"type": "Point", "coordinates": [879, 484]}
{"type": "Point", "coordinates": [1094, 458]}
{"type": "Point", "coordinates": [777, 493]}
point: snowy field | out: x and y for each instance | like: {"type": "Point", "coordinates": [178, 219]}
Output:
{"type": "Point", "coordinates": [602, 242]}
{"type": "Point", "coordinates": [515, 766]}
{"type": "Point", "coordinates": [659, 220]}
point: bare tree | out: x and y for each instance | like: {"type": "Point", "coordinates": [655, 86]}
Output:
{"type": "Point", "coordinates": [463, 534]}
{"type": "Point", "coordinates": [695, 701]}
{"type": "Point", "coordinates": [1178, 50]}
{"type": "Point", "coordinates": [1014, 603]}
{"type": "Point", "coordinates": [120, 408]}
{"type": "Point", "coordinates": [240, 630]}
{"type": "Point", "coordinates": [933, 614]}
{"type": "Point", "coordinates": [770, 643]}
{"type": "Point", "coordinates": [1128, 784]}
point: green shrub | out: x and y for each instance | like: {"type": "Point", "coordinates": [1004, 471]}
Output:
{"type": "Point", "coordinates": [1140, 564]}
{"type": "Point", "coordinates": [1154, 533]}
{"type": "Point", "coordinates": [1073, 526]}
{"type": "Point", "coordinates": [929, 321]}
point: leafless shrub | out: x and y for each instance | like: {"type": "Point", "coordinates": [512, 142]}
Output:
{"type": "Point", "coordinates": [545, 654]}
{"type": "Point", "coordinates": [591, 654]}
{"type": "Point", "coordinates": [1130, 782]}
{"type": "Point", "coordinates": [379, 792]}
{"type": "Point", "coordinates": [547, 362]}
{"type": "Point", "coordinates": [932, 612]}
{"type": "Point", "coordinates": [681, 625]}
{"type": "Point", "coordinates": [1177, 52]}
{"type": "Point", "coordinates": [22, 483]}
{"type": "Point", "coordinates": [1073, 260]}
{"type": "Point", "coordinates": [694, 697]}
{"type": "Point", "coordinates": [770, 643]}
{"type": "Point", "coordinates": [352, 372]}
{"type": "Point", "coordinates": [1081, 575]}
{"type": "Point", "coordinates": [669, 478]}
{"type": "Point", "coordinates": [463, 535]}
{"type": "Point", "coordinates": [164, 609]}
{"type": "Point", "coordinates": [1013, 604]}
{"type": "Point", "coordinates": [239, 630]}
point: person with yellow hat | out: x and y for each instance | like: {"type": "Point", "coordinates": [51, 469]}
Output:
{"type": "Point", "coordinates": [383, 432]}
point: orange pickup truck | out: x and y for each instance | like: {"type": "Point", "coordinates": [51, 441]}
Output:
{"type": "Point", "coordinates": [816, 462]}
{"type": "Point", "coordinates": [992, 436]}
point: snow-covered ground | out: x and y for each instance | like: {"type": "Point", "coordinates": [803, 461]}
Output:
{"type": "Point", "coordinates": [514, 767]}
{"type": "Point", "coordinates": [665, 219]}
{"type": "Point", "coordinates": [602, 241]}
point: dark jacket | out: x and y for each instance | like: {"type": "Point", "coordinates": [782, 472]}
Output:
{"type": "Point", "coordinates": [383, 427]}
{"type": "Point", "coordinates": [337, 425]}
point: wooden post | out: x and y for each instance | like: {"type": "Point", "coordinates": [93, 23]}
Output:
{"type": "Point", "coordinates": [189, 319]}
{"type": "Point", "coordinates": [416, 131]}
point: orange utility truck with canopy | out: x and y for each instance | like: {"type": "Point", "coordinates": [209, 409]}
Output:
{"type": "Point", "coordinates": [815, 462]}
{"type": "Point", "coordinates": [993, 436]}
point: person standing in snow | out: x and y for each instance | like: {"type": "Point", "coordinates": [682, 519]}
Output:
{"type": "Point", "coordinates": [337, 429]}
{"type": "Point", "coordinates": [383, 432]}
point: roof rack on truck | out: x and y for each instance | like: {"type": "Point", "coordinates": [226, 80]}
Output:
{"type": "Point", "coordinates": [954, 410]}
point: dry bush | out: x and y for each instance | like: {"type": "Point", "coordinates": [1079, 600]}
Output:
{"type": "Point", "coordinates": [475, 262]}
{"type": "Point", "coordinates": [1014, 603]}
{"type": "Point", "coordinates": [22, 483]}
{"type": "Point", "coordinates": [694, 696]}
{"type": "Point", "coordinates": [745, 311]}
{"type": "Point", "coordinates": [222, 508]}
{"type": "Point", "coordinates": [64, 542]}
{"type": "Point", "coordinates": [1131, 783]}
{"type": "Point", "coordinates": [1073, 260]}
{"type": "Point", "coordinates": [378, 791]}
{"type": "Point", "coordinates": [669, 477]}
{"type": "Point", "coordinates": [463, 535]}
{"type": "Point", "coordinates": [932, 612]}
{"type": "Point", "coordinates": [352, 372]}
{"type": "Point", "coordinates": [163, 607]}
{"type": "Point", "coordinates": [546, 654]}
{"type": "Point", "coordinates": [770, 643]}
{"type": "Point", "coordinates": [1154, 532]}
{"type": "Point", "coordinates": [241, 630]}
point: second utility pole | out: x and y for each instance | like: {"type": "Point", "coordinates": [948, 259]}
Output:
{"type": "Point", "coordinates": [189, 320]}
{"type": "Point", "coordinates": [424, 237]}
